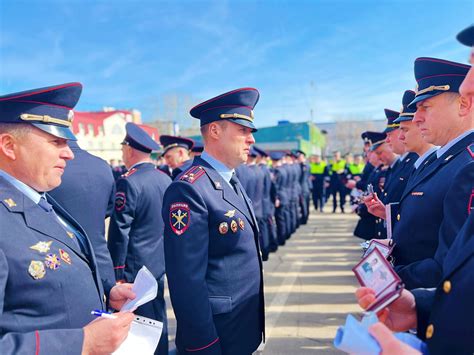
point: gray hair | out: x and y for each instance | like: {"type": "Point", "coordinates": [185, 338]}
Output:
{"type": "Point", "coordinates": [18, 130]}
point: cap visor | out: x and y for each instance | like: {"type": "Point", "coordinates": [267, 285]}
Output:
{"type": "Point", "coordinates": [390, 129]}
{"type": "Point", "coordinates": [403, 119]}
{"type": "Point", "coordinates": [374, 147]}
{"type": "Point", "coordinates": [424, 97]}
{"type": "Point", "coordinates": [466, 36]}
{"type": "Point", "coordinates": [57, 131]}
{"type": "Point", "coordinates": [244, 123]}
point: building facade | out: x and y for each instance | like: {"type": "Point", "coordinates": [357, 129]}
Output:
{"type": "Point", "coordinates": [100, 133]}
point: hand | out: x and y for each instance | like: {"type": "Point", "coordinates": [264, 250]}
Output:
{"type": "Point", "coordinates": [375, 206]}
{"type": "Point", "coordinates": [388, 342]}
{"type": "Point", "coordinates": [104, 336]}
{"type": "Point", "coordinates": [357, 178]}
{"type": "Point", "coordinates": [351, 184]}
{"type": "Point", "coordinates": [399, 316]}
{"type": "Point", "coordinates": [119, 294]}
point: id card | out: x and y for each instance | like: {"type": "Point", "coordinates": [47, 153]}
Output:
{"type": "Point", "coordinates": [375, 272]}
{"type": "Point", "coordinates": [384, 249]}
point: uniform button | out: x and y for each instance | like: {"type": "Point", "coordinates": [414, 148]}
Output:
{"type": "Point", "coordinates": [398, 217]}
{"type": "Point", "coordinates": [378, 234]}
{"type": "Point", "coordinates": [429, 331]}
{"type": "Point", "coordinates": [385, 194]}
{"type": "Point", "coordinates": [447, 286]}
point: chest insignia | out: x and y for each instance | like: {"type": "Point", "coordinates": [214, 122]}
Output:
{"type": "Point", "coordinates": [223, 228]}
{"type": "Point", "coordinates": [52, 261]}
{"type": "Point", "coordinates": [42, 247]}
{"type": "Point", "coordinates": [241, 223]}
{"type": "Point", "coordinates": [36, 269]}
{"type": "Point", "coordinates": [65, 256]}
{"type": "Point", "coordinates": [230, 213]}
{"type": "Point", "coordinates": [414, 193]}
{"type": "Point", "coordinates": [233, 226]}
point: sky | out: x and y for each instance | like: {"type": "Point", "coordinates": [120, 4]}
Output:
{"type": "Point", "coordinates": [319, 60]}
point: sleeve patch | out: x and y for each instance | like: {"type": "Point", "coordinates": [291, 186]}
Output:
{"type": "Point", "coordinates": [180, 217]}
{"type": "Point", "coordinates": [120, 200]}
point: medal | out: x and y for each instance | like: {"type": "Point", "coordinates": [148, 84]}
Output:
{"type": "Point", "coordinates": [36, 269]}
{"type": "Point", "coordinates": [65, 256]}
{"type": "Point", "coordinates": [233, 226]}
{"type": "Point", "coordinates": [52, 261]}
{"type": "Point", "coordinates": [223, 228]}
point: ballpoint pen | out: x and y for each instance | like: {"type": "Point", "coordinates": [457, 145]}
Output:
{"type": "Point", "coordinates": [103, 314]}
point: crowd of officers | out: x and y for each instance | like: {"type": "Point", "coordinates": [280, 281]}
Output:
{"type": "Point", "coordinates": [416, 194]}
{"type": "Point", "coordinates": [209, 222]}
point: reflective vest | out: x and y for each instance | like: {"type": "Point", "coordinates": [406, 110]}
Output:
{"type": "Point", "coordinates": [354, 169]}
{"type": "Point", "coordinates": [317, 168]}
{"type": "Point", "coordinates": [338, 166]}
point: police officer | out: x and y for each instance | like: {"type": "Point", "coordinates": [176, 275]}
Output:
{"type": "Point", "coordinates": [282, 200]}
{"type": "Point", "coordinates": [197, 149]}
{"type": "Point", "coordinates": [319, 176]}
{"type": "Point", "coordinates": [135, 232]}
{"type": "Point", "coordinates": [212, 251]}
{"type": "Point", "coordinates": [441, 192]}
{"type": "Point", "coordinates": [442, 316]}
{"type": "Point", "coordinates": [397, 176]}
{"type": "Point", "coordinates": [410, 136]}
{"type": "Point", "coordinates": [49, 277]}
{"type": "Point", "coordinates": [304, 183]}
{"type": "Point", "coordinates": [366, 226]}
{"type": "Point", "coordinates": [399, 170]}
{"type": "Point", "coordinates": [269, 195]}
{"type": "Point", "coordinates": [338, 172]}
{"type": "Point", "coordinates": [176, 152]}
{"type": "Point", "coordinates": [88, 185]}
{"type": "Point", "coordinates": [257, 196]}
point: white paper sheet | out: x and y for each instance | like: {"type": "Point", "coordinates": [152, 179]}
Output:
{"type": "Point", "coordinates": [145, 288]}
{"type": "Point", "coordinates": [142, 338]}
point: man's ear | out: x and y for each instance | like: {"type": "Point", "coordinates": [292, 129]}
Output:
{"type": "Point", "coordinates": [214, 130]}
{"type": "Point", "coordinates": [466, 105]}
{"type": "Point", "coordinates": [8, 145]}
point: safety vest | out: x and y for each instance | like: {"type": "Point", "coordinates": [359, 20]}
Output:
{"type": "Point", "coordinates": [354, 169]}
{"type": "Point", "coordinates": [317, 168]}
{"type": "Point", "coordinates": [338, 166]}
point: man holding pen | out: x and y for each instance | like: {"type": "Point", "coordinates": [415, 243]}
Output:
{"type": "Point", "coordinates": [49, 280]}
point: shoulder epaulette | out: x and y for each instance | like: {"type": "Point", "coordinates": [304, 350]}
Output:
{"type": "Point", "coordinates": [128, 173]}
{"type": "Point", "coordinates": [470, 149]}
{"type": "Point", "coordinates": [192, 174]}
